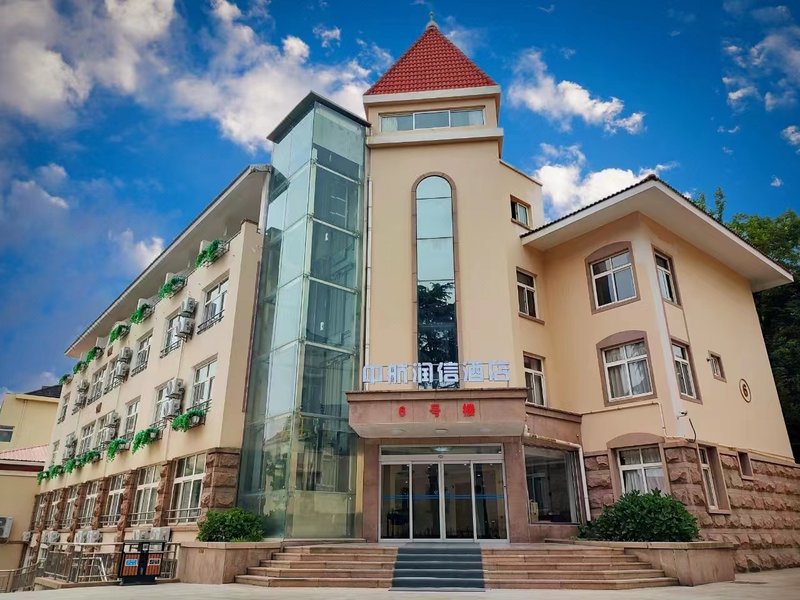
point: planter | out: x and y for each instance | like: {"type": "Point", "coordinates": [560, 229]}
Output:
{"type": "Point", "coordinates": [691, 563]}
{"type": "Point", "coordinates": [221, 562]}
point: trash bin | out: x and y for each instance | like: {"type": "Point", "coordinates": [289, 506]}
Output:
{"type": "Point", "coordinates": [140, 562]}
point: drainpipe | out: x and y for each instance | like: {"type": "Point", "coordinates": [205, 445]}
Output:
{"type": "Point", "coordinates": [368, 277]}
{"type": "Point", "coordinates": [262, 210]}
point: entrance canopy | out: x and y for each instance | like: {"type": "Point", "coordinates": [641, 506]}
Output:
{"type": "Point", "coordinates": [438, 413]}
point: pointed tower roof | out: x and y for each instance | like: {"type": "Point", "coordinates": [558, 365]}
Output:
{"type": "Point", "coordinates": [432, 63]}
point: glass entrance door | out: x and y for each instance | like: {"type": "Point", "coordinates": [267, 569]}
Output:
{"type": "Point", "coordinates": [458, 508]}
{"type": "Point", "coordinates": [425, 501]}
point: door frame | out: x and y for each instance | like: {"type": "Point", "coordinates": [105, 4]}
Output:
{"type": "Point", "coordinates": [441, 460]}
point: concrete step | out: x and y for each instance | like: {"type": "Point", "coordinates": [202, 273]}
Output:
{"type": "Point", "coordinates": [340, 549]}
{"type": "Point", "coordinates": [535, 558]}
{"type": "Point", "coordinates": [435, 581]}
{"type": "Point", "coordinates": [354, 571]}
{"type": "Point", "coordinates": [334, 556]}
{"type": "Point", "coordinates": [351, 582]}
{"type": "Point", "coordinates": [566, 566]}
{"type": "Point", "coordinates": [573, 575]}
{"type": "Point", "coordinates": [322, 563]}
{"type": "Point", "coordinates": [581, 584]}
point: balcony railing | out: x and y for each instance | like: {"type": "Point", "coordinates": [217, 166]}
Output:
{"type": "Point", "coordinates": [109, 520]}
{"type": "Point", "coordinates": [94, 397]}
{"type": "Point", "coordinates": [84, 521]}
{"type": "Point", "coordinates": [183, 515]}
{"type": "Point", "coordinates": [142, 518]}
{"type": "Point", "coordinates": [167, 349]}
{"type": "Point", "coordinates": [210, 322]}
{"type": "Point", "coordinates": [139, 368]}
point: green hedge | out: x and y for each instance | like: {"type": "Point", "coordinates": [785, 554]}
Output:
{"type": "Point", "coordinates": [637, 517]}
{"type": "Point", "coordinates": [143, 438]}
{"type": "Point", "coordinates": [140, 314]}
{"type": "Point", "coordinates": [183, 422]}
{"type": "Point", "coordinates": [119, 331]}
{"type": "Point", "coordinates": [234, 525]}
{"type": "Point", "coordinates": [209, 254]}
{"type": "Point", "coordinates": [171, 286]}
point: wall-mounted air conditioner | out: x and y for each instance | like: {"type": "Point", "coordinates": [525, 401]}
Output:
{"type": "Point", "coordinates": [125, 355]}
{"type": "Point", "coordinates": [51, 537]}
{"type": "Point", "coordinates": [175, 388]}
{"type": "Point", "coordinates": [5, 527]}
{"type": "Point", "coordinates": [83, 386]}
{"type": "Point", "coordinates": [121, 369]}
{"type": "Point", "coordinates": [160, 534]}
{"type": "Point", "coordinates": [27, 536]}
{"type": "Point", "coordinates": [188, 307]}
{"type": "Point", "coordinates": [141, 534]}
{"type": "Point", "coordinates": [80, 536]}
{"type": "Point", "coordinates": [170, 408]}
{"type": "Point", "coordinates": [185, 327]}
{"type": "Point", "coordinates": [93, 536]}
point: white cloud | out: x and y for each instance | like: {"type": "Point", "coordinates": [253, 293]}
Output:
{"type": "Point", "coordinates": [723, 129]}
{"type": "Point", "coordinates": [776, 181]}
{"type": "Point", "coordinates": [138, 253]}
{"type": "Point", "coordinates": [792, 135]}
{"type": "Point", "coordinates": [548, 9]}
{"type": "Point", "coordinates": [52, 175]}
{"type": "Point", "coordinates": [28, 196]}
{"type": "Point", "coordinates": [535, 88]}
{"type": "Point", "coordinates": [772, 14]}
{"type": "Point", "coordinates": [674, 33]}
{"type": "Point", "coordinates": [328, 37]}
{"type": "Point", "coordinates": [728, 151]}
{"type": "Point", "coordinates": [567, 186]}
{"type": "Point", "coordinates": [468, 39]}
{"type": "Point", "coordinates": [568, 52]}
{"type": "Point", "coordinates": [740, 90]}
{"type": "Point", "coordinates": [373, 57]}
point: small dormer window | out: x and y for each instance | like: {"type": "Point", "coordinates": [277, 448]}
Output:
{"type": "Point", "coordinates": [432, 119]}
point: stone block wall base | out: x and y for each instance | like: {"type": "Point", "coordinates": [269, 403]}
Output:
{"type": "Point", "coordinates": [221, 562]}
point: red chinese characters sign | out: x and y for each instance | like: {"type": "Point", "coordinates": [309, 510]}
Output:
{"type": "Point", "coordinates": [401, 412]}
{"type": "Point", "coordinates": [468, 409]}
{"type": "Point", "coordinates": [435, 410]}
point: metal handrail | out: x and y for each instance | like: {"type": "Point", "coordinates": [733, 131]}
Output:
{"type": "Point", "coordinates": [173, 346]}
{"type": "Point", "coordinates": [210, 322]}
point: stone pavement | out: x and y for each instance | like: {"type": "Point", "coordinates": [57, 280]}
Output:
{"type": "Point", "coordinates": [768, 585]}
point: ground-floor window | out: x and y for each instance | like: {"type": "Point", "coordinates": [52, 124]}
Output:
{"type": "Point", "coordinates": [144, 504]}
{"type": "Point", "coordinates": [87, 510]}
{"type": "Point", "coordinates": [187, 489]}
{"type": "Point", "coordinates": [641, 469]}
{"type": "Point", "coordinates": [553, 484]}
{"type": "Point", "coordinates": [113, 501]}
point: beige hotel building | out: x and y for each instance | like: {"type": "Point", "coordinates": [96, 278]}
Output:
{"type": "Point", "coordinates": [378, 337]}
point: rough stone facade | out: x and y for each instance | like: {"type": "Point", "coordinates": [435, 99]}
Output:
{"type": "Point", "coordinates": [763, 519]}
{"type": "Point", "coordinates": [220, 480]}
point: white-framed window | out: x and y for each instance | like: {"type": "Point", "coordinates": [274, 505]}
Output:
{"type": "Point", "coordinates": [55, 452]}
{"type": "Point", "coordinates": [87, 510]}
{"type": "Point", "coordinates": [612, 279]}
{"type": "Point", "coordinates": [683, 370]}
{"type": "Point", "coordinates": [171, 332]}
{"type": "Point", "coordinates": [203, 383]}
{"type": "Point", "coordinates": [6, 432]}
{"type": "Point", "coordinates": [51, 512]}
{"type": "Point", "coordinates": [526, 294]}
{"type": "Point", "coordinates": [143, 351]}
{"type": "Point", "coordinates": [431, 119]}
{"type": "Point", "coordinates": [62, 412]}
{"type": "Point", "coordinates": [98, 379]}
{"type": "Point", "coordinates": [161, 399]}
{"type": "Point", "coordinates": [745, 464]}
{"type": "Point", "coordinates": [85, 443]}
{"type": "Point", "coordinates": [627, 371]}
{"type": "Point", "coordinates": [187, 489]}
{"type": "Point", "coordinates": [641, 469]}
{"type": "Point", "coordinates": [520, 212]}
{"type": "Point", "coordinates": [41, 507]}
{"type": "Point", "coordinates": [534, 380]}
{"type": "Point", "coordinates": [144, 503]}
{"type": "Point", "coordinates": [715, 361]}
{"type": "Point", "coordinates": [215, 300]}
{"type": "Point", "coordinates": [665, 278]}
{"type": "Point", "coordinates": [131, 414]}
{"type": "Point", "coordinates": [100, 427]}
{"type": "Point", "coordinates": [69, 507]}
{"type": "Point", "coordinates": [708, 478]}
{"type": "Point", "coordinates": [113, 501]}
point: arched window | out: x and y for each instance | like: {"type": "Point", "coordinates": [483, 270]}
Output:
{"type": "Point", "coordinates": [437, 341]}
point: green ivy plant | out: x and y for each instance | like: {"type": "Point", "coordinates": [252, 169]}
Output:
{"type": "Point", "coordinates": [69, 465]}
{"type": "Point", "coordinates": [114, 447]}
{"type": "Point", "coordinates": [64, 379]}
{"type": "Point", "coordinates": [79, 366]}
{"type": "Point", "coordinates": [87, 457]}
{"type": "Point", "coordinates": [143, 438]}
{"type": "Point", "coordinates": [119, 331]}
{"type": "Point", "coordinates": [141, 313]}
{"type": "Point", "coordinates": [169, 288]}
{"type": "Point", "coordinates": [209, 254]}
{"type": "Point", "coordinates": [183, 422]}
{"type": "Point", "coordinates": [42, 475]}
{"type": "Point", "coordinates": [55, 471]}
{"type": "Point", "coordinates": [93, 353]}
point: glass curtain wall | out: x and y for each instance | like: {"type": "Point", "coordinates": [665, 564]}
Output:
{"type": "Point", "coordinates": [437, 341]}
{"type": "Point", "coordinates": [298, 459]}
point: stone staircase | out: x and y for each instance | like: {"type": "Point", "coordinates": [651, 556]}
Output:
{"type": "Point", "coordinates": [455, 566]}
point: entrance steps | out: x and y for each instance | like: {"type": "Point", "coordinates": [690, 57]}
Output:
{"type": "Point", "coordinates": [455, 566]}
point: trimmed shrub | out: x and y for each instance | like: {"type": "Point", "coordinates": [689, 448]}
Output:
{"type": "Point", "coordinates": [637, 517]}
{"type": "Point", "coordinates": [234, 525]}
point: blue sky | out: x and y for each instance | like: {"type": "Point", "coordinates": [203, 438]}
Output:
{"type": "Point", "coordinates": [120, 121]}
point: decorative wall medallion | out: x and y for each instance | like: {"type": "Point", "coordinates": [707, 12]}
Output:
{"type": "Point", "coordinates": [744, 390]}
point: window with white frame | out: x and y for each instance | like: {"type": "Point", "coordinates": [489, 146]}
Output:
{"type": "Point", "coordinates": [51, 513]}
{"type": "Point", "coordinates": [85, 442]}
{"type": "Point", "coordinates": [612, 279]}
{"type": "Point", "coordinates": [526, 294]}
{"type": "Point", "coordinates": [187, 489]}
{"type": "Point", "coordinates": [97, 384]}
{"type": "Point", "coordinates": [53, 456]}
{"type": "Point", "coordinates": [708, 478]}
{"type": "Point", "coordinates": [161, 400]}
{"type": "Point", "coordinates": [627, 371]}
{"type": "Point", "coordinates": [665, 278]}
{"type": "Point", "coordinates": [6, 431]}
{"type": "Point", "coordinates": [144, 503]}
{"type": "Point", "coordinates": [171, 338]}
{"type": "Point", "coordinates": [131, 414]}
{"type": "Point", "coordinates": [41, 507]}
{"type": "Point", "coordinates": [143, 351]}
{"type": "Point", "coordinates": [69, 507]}
{"type": "Point", "coordinates": [683, 369]}
{"type": "Point", "coordinates": [520, 212]}
{"type": "Point", "coordinates": [715, 361]}
{"type": "Point", "coordinates": [100, 428]}
{"type": "Point", "coordinates": [113, 501]}
{"type": "Point", "coordinates": [215, 301]}
{"type": "Point", "coordinates": [534, 380]}
{"type": "Point", "coordinates": [203, 383]}
{"type": "Point", "coordinates": [87, 510]}
{"type": "Point", "coordinates": [641, 469]}
{"type": "Point", "coordinates": [430, 119]}
{"type": "Point", "coordinates": [62, 413]}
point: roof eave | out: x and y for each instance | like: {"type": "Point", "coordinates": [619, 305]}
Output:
{"type": "Point", "coordinates": [491, 91]}
{"type": "Point", "coordinates": [302, 107]}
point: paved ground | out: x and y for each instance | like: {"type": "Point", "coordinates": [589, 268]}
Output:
{"type": "Point", "coordinates": [771, 585]}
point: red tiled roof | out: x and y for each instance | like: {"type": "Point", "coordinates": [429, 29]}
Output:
{"type": "Point", "coordinates": [432, 63]}
{"type": "Point", "coordinates": [32, 454]}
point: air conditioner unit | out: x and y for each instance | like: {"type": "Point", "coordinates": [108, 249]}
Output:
{"type": "Point", "coordinates": [51, 537]}
{"type": "Point", "coordinates": [175, 388]}
{"type": "Point", "coordinates": [121, 369]}
{"type": "Point", "coordinates": [160, 534]}
{"type": "Point", "coordinates": [83, 386]}
{"type": "Point", "coordinates": [125, 355]}
{"type": "Point", "coordinates": [81, 400]}
{"type": "Point", "coordinates": [170, 408]}
{"type": "Point", "coordinates": [5, 527]}
{"type": "Point", "coordinates": [26, 536]}
{"type": "Point", "coordinates": [185, 327]}
{"type": "Point", "coordinates": [141, 534]}
{"type": "Point", "coordinates": [93, 536]}
{"type": "Point", "coordinates": [188, 307]}
{"type": "Point", "coordinates": [80, 536]}
{"type": "Point", "coordinates": [109, 433]}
